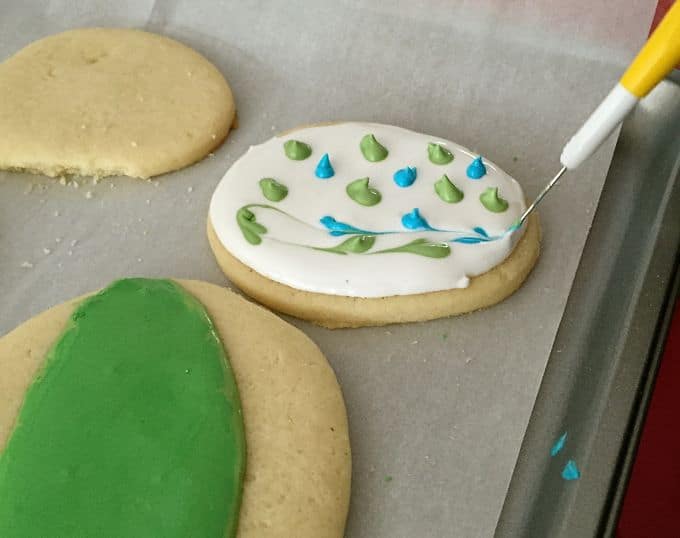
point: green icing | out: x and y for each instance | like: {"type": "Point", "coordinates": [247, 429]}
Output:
{"type": "Point", "coordinates": [492, 200]}
{"type": "Point", "coordinates": [372, 150]}
{"type": "Point", "coordinates": [273, 190]}
{"type": "Point", "coordinates": [296, 150]}
{"type": "Point", "coordinates": [438, 154]}
{"type": "Point", "coordinates": [250, 228]}
{"type": "Point", "coordinates": [421, 247]}
{"type": "Point", "coordinates": [447, 191]}
{"type": "Point", "coordinates": [361, 193]}
{"type": "Point", "coordinates": [356, 245]}
{"type": "Point", "coordinates": [132, 427]}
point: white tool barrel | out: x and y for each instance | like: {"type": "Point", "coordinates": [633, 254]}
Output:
{"type": "Point", "coordinates": [598, 127]}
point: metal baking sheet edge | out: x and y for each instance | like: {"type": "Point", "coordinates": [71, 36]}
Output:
{"type": "Point", "coordinates": [602, 366]}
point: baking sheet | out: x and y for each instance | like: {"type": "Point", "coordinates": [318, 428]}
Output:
{"type": "Point", "coordinates": [437, 410]}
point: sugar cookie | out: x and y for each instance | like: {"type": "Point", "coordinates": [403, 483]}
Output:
{"type": "Point", "coordinates": [132, 397]}
{"type": "Point", "coordinates": [356, 224]}
{"type": "Point", "coordinates": [110, 101]}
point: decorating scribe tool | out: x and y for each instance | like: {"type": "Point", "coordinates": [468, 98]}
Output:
{"type": "Point", "coordinates": [655, 60]}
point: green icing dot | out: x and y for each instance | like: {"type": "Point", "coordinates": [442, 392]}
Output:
{"type": "Point", "coordinates": [296, 150]}
{"type": "Point", "coordinates": [250, 228]}
{"type": "Point", "coordinates": [372, 150]}
{"type": "Point", "coordinates": [422, 247]}
{"type": "Point", "coordinates": [492, 200]}
{"type": "Point", "coordinates": [273, 190]}
{"type": "Point", "coordinates": [438, 154]}
{"type": "Point", "coordinates": [356, 245]}
{"type": "Point", "coordinates": [132, 426]}
{"type": "Point", "coordinates": [361, 193]}
{"type": "Point", "coordinates": [447, 191]}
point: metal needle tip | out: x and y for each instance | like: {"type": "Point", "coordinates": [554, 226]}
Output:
{"type": "Point", "coordinates": [541, 195]}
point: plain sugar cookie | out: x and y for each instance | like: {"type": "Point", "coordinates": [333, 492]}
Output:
{"type": "Point", "coordinates": [145, 396]}
{"type": "Point", "coordinates": [110, 101]}
{"type": "Point", "coordinates": [354, 224]}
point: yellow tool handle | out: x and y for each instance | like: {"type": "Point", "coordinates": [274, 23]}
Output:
{"type": "Point", "coordinates": [660, 54]}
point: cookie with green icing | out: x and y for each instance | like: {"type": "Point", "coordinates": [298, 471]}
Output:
{"type": "Point", "coordinates": [150, 395]}
{"type": "Point", "coordinates": [403, 219]}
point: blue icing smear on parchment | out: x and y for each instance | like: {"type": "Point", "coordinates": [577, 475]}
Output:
{"type": "Point", "coordinates": [324, 169]}
{"type": "Point", "coordinates": [405, 176]}
{"type": "Point", "coordinates": [570, 471]}
{"type": "Point", "coordinates": [559, 445]}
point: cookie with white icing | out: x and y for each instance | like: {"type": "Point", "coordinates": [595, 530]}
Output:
{"type": "Point", "coordinates": [110, 101]}
{"type": "Point", "coordinates": [355, 224]}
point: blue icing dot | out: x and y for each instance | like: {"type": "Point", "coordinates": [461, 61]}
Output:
{"type": "Point", "coordinates": [414, 221]}
{"type": "Point", "coordinates": [570, 471]}
{"type": "Point", "coordinates": [476, 170]}
{"type": "Point", "coordinates": [324, 170]}
{"type": "Point", "coordinates": [559, 445]}
{"type": "Point", "coordinates": [406, 176]}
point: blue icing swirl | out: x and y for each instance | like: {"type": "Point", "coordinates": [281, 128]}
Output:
{"type": "Point", "coordinates": [480, 236]}
{"type": "Point", "coordinates": [476, 170]}
{"type": "Point", "coordinates": [324, 169]}
{"type": "Point", "coordinates": [415, 221]}
{"type": "Point", "coordinates": [336, 228]}
{"type": "Point", "coordinates": [405, 176]}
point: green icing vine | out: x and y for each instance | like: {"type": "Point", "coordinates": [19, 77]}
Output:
{"type": "Point", "coordinates": [250, 228]}
{"type": "Point", "coordinates": [421, 247]}
{"type": "Point", "coordinates": [358, 244]}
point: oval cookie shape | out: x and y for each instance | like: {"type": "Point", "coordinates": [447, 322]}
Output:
{"type": "Point", "coordinates": [110, 101]}
{"type": "Point", "coordinates": [434, 232]}
{"type": "Point", "coordinates": [132, 426]}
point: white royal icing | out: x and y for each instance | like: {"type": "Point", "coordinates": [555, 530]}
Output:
{"type": "Point", "coordinates": [284, 254]}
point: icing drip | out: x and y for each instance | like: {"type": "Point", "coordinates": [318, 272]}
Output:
{"type": "Point", "coordinates": [324, 169]}
{"type": "Point", "coordinates": [492, 200]}
{"type": "Point", "coordinates": [438, 154]}
{"type": "Point", "coordinates": [132, 427]}
{"type": "Point", "coordinates": [476, 170]}
{"type": "Point", "coordinates": [273, 190]}
{"type": "Point", "coordinates": [372, 150]}
{"type": "Point", "coordinates": [415, 221]}
{"type": "Point", "coordinates": [296, 150]}
{"type": "Point", "coordinates": [447, 191]}
{"type": "Point", "coordinates": [302, 240]}
{"type": "Point", "coordinates": [405, 177]}
{"type": "Point", "coordinates": [361, 193]}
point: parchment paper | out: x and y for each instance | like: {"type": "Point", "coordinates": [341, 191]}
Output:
{"type": "Point", "coordinates": [437, 410]}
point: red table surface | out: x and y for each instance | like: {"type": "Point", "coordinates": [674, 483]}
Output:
{"type": "Point", "coordinates": [651, 507]}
